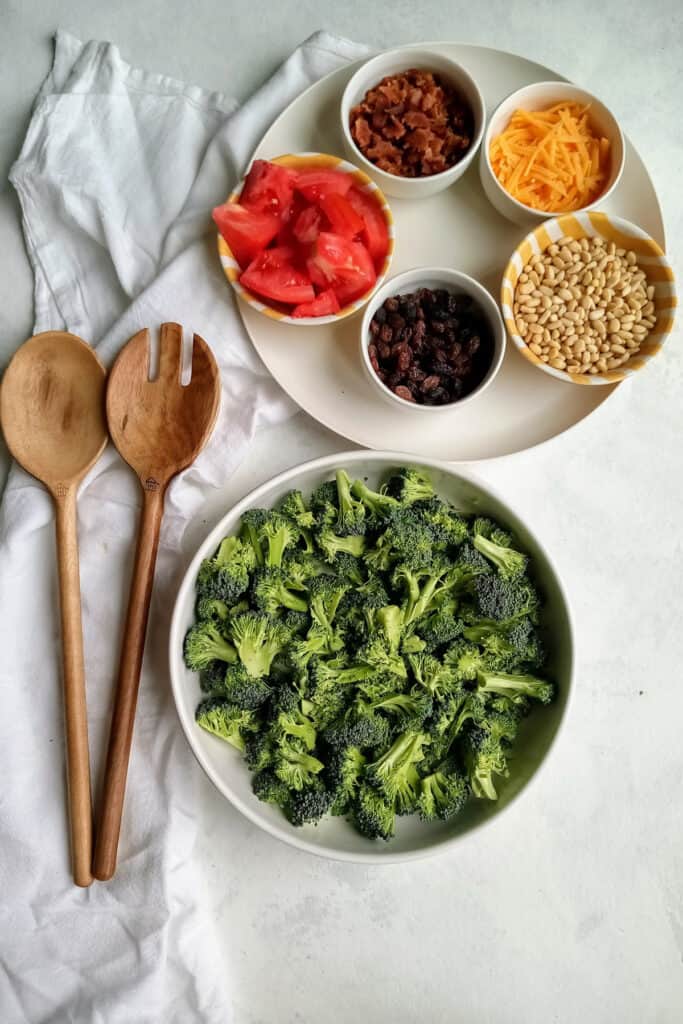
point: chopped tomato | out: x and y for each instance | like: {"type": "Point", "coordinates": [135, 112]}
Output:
{"type": "Point", "coordinates": [342, 217]}
{"type": "Point", "coordinates": [273, 275]}
{"type": "Point", "coordinates": [346, 266]}
{"type": "Point", "coordinates": [307, 225]}
{"type": "Point", "coordinates": [322, 305]}
{"type": "Point", "coordinates": [268, 188]}
{"type": "Point", "coordinates": [317, 277]}
{"type": "Point", "coordinates": [247, 232]}
{"type": "Point", "coordinates": [375, 232]}
{"type": "Point", "coordinates": [319, 182]}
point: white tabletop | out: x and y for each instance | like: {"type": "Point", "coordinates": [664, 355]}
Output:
{"type": "Point", "coordinates": [569, 907]}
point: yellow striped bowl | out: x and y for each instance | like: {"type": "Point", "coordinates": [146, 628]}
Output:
{"type": "Point", "coordinates": [651, 259]}
{"type": "Point", "coordinates": [299, 161]}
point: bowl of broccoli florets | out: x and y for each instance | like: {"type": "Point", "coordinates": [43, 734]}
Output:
{"type": "Point", "coordinates": [371, 657]}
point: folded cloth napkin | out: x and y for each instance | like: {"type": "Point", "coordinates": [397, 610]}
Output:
{"type": "Point", "coordinates": [116, 179]}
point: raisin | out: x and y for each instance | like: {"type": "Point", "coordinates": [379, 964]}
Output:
{"type": "Point", "coordinates": [391, 305]}
{"type": "Point", "coordinates": [396, 321]}
{"type": "Point", "coordinates": [372, 355]}
{"type": "Point", "coordinates": [386, 334]}
{"type": "Point", "coordinates": [438, 327]}
{"type": "Point", "coordinates": [404, 358]}
{"type": "Point", "coordinates": [473, 344]}
{"type": "Point", "coordinates": [380, 315]}
{"type": "Point", "coordinates": [374, 327]}
{"type": "Point", "coordinates": [405, 393]}
{"type": "Point", "coordinates": [383, 351]}
{"type": "Point", "coordinates": [410, 311]}
{"type": "Point", "coordinates": [431, 382]}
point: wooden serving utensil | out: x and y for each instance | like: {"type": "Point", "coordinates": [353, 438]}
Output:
{"type": "Point", "coordinates": [52, 413]}
{"type": "Point", "coordinates": [159, 428]}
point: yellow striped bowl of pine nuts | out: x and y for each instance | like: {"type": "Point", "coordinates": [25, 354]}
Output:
{"type": "Point", "coordinates": [588, 298]}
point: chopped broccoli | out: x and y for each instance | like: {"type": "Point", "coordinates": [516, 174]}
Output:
{"type": "Point", "coordinates": [257, 640]}
{"type": "Point", "coordinates": [373, 813]}
{"type": "Point", "coordinates": [226, 576]}
{"type": "Point", "coordinates": [371, 652]}
{"type": "Point", "coordinates": [204, 643]}
{"type": "Point", "coordinates": [270, 594]}
{"type": "Point", "coordinates": [225, 720]}
{"type": "Point", "coordinates": [410, 485]}
{"type": "Point", "coordinates": [443, 793]}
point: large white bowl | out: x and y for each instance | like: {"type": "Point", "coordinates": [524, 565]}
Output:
{"type": "Point", "coordinates": [457, 283]}
{"type": "Point", "coordinates": [390, 63]}
{"type": "Point", "coordinates": [540, 96]}
{"type": "Point", "coordinates": [335, 837]}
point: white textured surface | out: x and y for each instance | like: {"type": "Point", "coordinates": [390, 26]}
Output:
{"type": "Point", "coordinates": [569, 908]}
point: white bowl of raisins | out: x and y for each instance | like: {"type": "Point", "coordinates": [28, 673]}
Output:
{"type": "Point", "coordinates": [432, 339]}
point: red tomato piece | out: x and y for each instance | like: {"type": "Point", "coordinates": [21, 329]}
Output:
{"type": "Point", "coordinates": [307, 225]}
{"type": "Point", "coordinates": [317, 277]}
{"type": "Point", "coordinates": [323, 304]}
{"type": "Point", "coordinates": [272, 275]}
{"type": "Point", "coordinates": [375, 232]}
{"type": "Point", "coordinates": [342, 217]}
{"type": "Point", "coordinates": [268, 188]}
{"type": "Point", "coordinates": [247, 232]}
{"type": "Point", "coordinates": [346, 266]}
{"type": "Point", "coordinates": [319, 182]}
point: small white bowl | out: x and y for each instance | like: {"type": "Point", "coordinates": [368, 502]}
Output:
{"type": "Point", "coordinates": [390, 63]}
{"type": "Point", "coordinates": [540, 96]}
{"type": "Point", "coordinates": [459, 284]}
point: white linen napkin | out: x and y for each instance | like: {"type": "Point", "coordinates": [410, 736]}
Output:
{"type": "Point", "coordinates": [116, 179]}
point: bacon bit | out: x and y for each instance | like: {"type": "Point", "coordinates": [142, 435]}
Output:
{"type": "Point", "coordinates": [412, 124]}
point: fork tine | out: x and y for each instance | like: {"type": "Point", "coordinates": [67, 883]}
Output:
{"type": "Point", "coordinates": [204, 366]}
{"type": "Point", "coordinates": [170, 353]}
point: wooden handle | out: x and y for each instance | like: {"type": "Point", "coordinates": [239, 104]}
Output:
{"type": "Point", "coordinates": [77, 758]}
{"type": "Point", "coordinates": [121, 735]}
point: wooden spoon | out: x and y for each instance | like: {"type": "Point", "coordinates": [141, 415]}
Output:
{"type": "Point", "coordinates": [159, 428]}
{"type": "Point", "coordinates": [52, 413]}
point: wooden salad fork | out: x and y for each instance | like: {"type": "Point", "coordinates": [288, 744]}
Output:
{"type": "Point", "coordinates": [159, 427]}
{"type": "Point", "coordinates": [52, 413]}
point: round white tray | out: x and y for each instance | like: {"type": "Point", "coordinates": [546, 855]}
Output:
{"type": "Point", "coordinates": [320, 367]}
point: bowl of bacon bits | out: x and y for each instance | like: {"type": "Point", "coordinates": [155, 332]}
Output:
{"type": "Point", "coordinates": [550, 149]}
{"type": "Point", "coordinates": [305, 238]}
{"type": "Point", "coordinates": [413, 120]}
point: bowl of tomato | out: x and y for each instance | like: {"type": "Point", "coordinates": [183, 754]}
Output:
{"type": "Point", "coordinates": [305, 238]}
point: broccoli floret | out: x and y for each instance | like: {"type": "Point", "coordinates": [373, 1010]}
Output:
{"type": "Point", "coordinates": [438, 679]}
{"type": "Point", "coordinates": [440, 627]}
{"type": "Point", "coordinates": [318, 642]}
{"type": "Point", "coordinates": [361, 728]}
{"type": "Point", "coordinates": [269, 788]}
{"type": "Point", "coordinates": [276, 535]}
{"type": "Point", "coordinates": [225, 720]}
{"type": "Point", "coordinates": [310, 804]}
{"type": "Point", "coordinates": [406, 539]}
{"type": "Point", "coordinates": [226, 575]}
{"type": "Point", "coordinates": [443, 793]}
{"type": "Point", "coordinates": [332, 545]}
{"type": "Point", "coordinates": [487, 540]}
{"type": "Point", "coordinates": [484, 757]}
{"type": "Point", "coordinates": [212, 677]}
{"type": "Point", "coordinates": [395, 772]}
{"type": "Point", "coordinates": [351, 518]}
{"type": "Point", "coordinates": [257, 639]}
{"type": "Point", "coordinates": [446, 525]}
{"type": "Point", "coordinates": [343, 773]}
{"type": "Point", "coordinates": [516, 686]}
{"type": "Point", "coordinates": [411, 709]}
{"type": "Point", "coordinates": [329, 675]}
{"type": "Point", "coordinates": [243, 690]}
{"type": "Point", "coordinates": [270, 594]}
{"type": "Point", "coordinates": [373, 813]}
{"type": "Point", "coordinates": [482, 526]}
{"type": "Point", "coordinates": [423, 588]}
{"type": "Point", "coordinates": [378, 504]}
{"type": "Point", "coordinates": [211, 608]}
{"type": "Point", "coordinates": [204, 643]}
{"type": "Point", "coordinates": [252, 522]}
{"type": "Point", "coordinates": [471, 562]}
{"type": "Point", "coordinates": [495, 597]}
{"type": "Point", "coordinates": [294, 725]}
{"type": "Point", "coordinates": [293, 507]}
{"type": "Point", "coordinates": [296, 768]}
{"type": "Point", "coordinates": [324, 504]}
{"type": "Point", "coordinates": [465, 659]}
{"type": "Point", "coordinates": [381, 653]}
{"type": "Point", "coordinates": [325, 595]}
{"type": "Point", "coordinates": [296, 623]}
{"type": "Point", "coordinates": [258, 751]}
{"type": "Point", "coordinates": [410, 485]}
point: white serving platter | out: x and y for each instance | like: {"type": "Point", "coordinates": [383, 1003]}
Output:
{"type": "Point", "coordinates": [320, 367]}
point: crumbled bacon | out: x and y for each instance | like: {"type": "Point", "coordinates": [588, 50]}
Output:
{"type": "Point", "coordinates": [412, 124]}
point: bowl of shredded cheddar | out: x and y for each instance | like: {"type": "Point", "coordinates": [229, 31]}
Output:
{"type": "Point", "coordinates": [550, 149]}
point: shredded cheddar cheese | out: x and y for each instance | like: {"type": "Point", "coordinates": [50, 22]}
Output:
{"type": "Point", "coordinates": [551, 160]}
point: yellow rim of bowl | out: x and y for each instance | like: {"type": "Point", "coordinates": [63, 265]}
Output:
{"type": "Point", "coordinates": [299, 161]}
{"type": "Point", "coordinates": [591, 224]}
